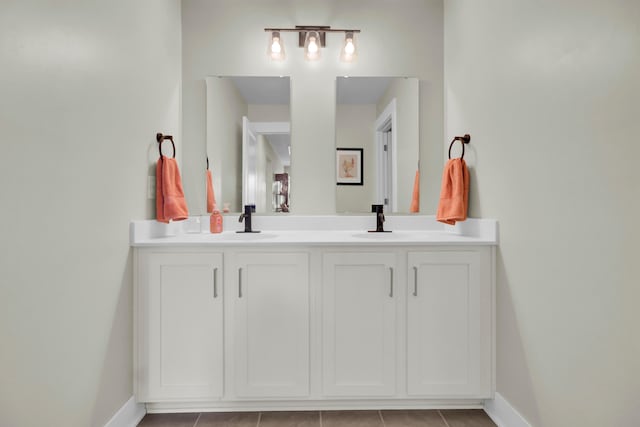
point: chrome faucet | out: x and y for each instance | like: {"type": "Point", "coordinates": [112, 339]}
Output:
{"type": "Point", "coordinates": [246, 216]}
{"type": "Point", "coordinates": [378, 209]}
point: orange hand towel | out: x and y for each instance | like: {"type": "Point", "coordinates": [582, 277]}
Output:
{"type": "Point", "coordinates": [454, 194]}
{"type": "Point", "coordinates": [415, 198]}
{"type": "Point", "coordinates": [170, 203]}
{"type": "Point", "coordinates": [211, 197]}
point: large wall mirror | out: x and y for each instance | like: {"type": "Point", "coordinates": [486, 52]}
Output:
{"type": "Point", "coordinates": [377, 143]}
{"type": "Point", "coordinates": [249, 143]}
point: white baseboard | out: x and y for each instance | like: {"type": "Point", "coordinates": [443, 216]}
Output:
{"type": "Point", "coordinates": [498, 409]}
{"type": "Point", "coordinates": [129, 415]}
{"type": "Point", "coordinates": [311, 405]}
{"type": "Point", "coordinates": [503, 414]}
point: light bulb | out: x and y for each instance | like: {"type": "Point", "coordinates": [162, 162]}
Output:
{"type": "Point", "coordinates": [349, 48]}
{"type": "Point", "coordinates": [313, 46]}
{"type": "Point", "coordinates": [275, 46]}
{"type": "Point", "coordinates": [348, 52]}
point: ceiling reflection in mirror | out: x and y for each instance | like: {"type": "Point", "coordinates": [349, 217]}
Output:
{"type": "Point", "coordinates": [378, 115]}
{"type": "Point", "coordinates": [249, 143]}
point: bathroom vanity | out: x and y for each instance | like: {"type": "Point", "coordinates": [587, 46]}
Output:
{"type": "Point", "coordinates": [314, 313]}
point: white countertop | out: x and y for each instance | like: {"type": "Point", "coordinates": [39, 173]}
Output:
{"type": "Point", "coordinates": [329, 230]}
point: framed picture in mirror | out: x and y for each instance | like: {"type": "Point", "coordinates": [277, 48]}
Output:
{"type": "Point", "coordinates": [349, 166]}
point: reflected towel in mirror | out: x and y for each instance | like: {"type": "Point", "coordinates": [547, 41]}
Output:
{"type": "Point", "coordinates": [211, 196]}
{"type": "Point", "coordinates": [415, 198]}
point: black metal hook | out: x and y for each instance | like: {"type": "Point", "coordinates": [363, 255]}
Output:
{"type": "Point", "coordinates": [207, 162]}
{"type": "Point", "coordinates": [463, 139]}
{"type": "Point", "coordinates": [160, 137]}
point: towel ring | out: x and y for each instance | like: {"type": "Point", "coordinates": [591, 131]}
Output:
{"type": "Point", "coordinates": [463, 139]}
{"type": "Point", "coordinates": [160, 137]}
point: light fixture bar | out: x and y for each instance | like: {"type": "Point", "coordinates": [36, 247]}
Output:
{"type": "Point", "coordinates": [311, 38]}
{"type": "Point", "coordinates": [319, 28]}
{"type": "Point", "coordinates": [302, 31]}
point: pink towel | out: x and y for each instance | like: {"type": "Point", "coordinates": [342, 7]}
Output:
{"type": "Point", "coordinates": [415, 198]}
{"type": "Point", "coordinates": [170, 203]}
{"type": "Point", "coordinates": [454, 194]}
{"type": "Point", "coordinates": [211, 197]}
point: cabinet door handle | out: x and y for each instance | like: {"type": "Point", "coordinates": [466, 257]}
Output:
{"type": "Point", "coordinates": [240, 283]}
{"type": "Point", "coordinates": [215, 282]}
{"type": "Point", "coordinates": [391, 282]}
{"type": "Point", "coordinates": [415, 281]}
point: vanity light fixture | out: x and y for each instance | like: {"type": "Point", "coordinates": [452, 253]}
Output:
{"type": "Point", "coordinates": [312, 38]}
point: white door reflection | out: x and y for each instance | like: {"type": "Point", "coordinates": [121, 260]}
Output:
{"type": "Point", "coordinates": [266, 159]}
{"type": "Point", "coordinates": [385, 152]}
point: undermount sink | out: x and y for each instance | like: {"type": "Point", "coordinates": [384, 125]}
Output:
{"type": "Point", "coordinates": [247, 236]}
{"type": "Point", "coordinates": [377, 235]}
{"type": "Point", "coordinates": [395, 235]}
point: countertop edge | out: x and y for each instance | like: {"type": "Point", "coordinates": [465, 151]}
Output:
{"type": "Point", "coordinates": [409, 231]}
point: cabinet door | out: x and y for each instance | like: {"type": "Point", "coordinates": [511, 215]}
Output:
{"type": "Point", "coordinates": [272, 325]}
{"type": "Point", "coordinates": [359, 324]}
{"type": "Point", "coordinates": [449, 324]}
{"type": "Point", "coordinates": [184, 329]}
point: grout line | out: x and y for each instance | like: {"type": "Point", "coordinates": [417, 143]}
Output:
{"type": "Point", "coordinates": [197, 419]}
{"type": "Point", "coordinates": [259, 418]}
{"type": "Point", "coordinates": [443, 419]}
{"type": "Point", "coordinates": [320, 412]}
{"type": "Point", "coordinates": [381, 418]}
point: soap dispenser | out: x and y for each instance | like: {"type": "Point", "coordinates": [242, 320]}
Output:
{"type": "Point", "coordinates": [215, 221]}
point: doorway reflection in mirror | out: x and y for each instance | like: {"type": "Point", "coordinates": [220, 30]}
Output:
{"type": "Point", "coordinates": [248, 141]}
{"type": "Point", "coordinates": [379, 115]}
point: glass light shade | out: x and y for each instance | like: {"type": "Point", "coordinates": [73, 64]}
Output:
{"type": "Point", "coordinates": [275, 48]}
{"type": "Point", "coordinates": [349, 51]}
{"type": "Point", "coordinates": [312, 46]}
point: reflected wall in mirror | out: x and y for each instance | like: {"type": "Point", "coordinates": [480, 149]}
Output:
{"type": "Point", "coordinates": [249, 143]}
{"type": "Point", "coordinates": [380, 116]}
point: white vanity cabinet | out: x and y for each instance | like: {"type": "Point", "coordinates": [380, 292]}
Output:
{"type": "Point", "coordinates": [359, 324]}
{"type": "Point", "coordinates": [449, 323]}
{"type": "Point", "coordinates": [302, 325]}
{"type": "Point", "coordinates": [270, 330]}
{"type": "Point", "coordinates": [179, 326]}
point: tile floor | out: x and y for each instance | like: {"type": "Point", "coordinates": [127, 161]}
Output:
{"type": "Point", "coordinates": [426, 418]}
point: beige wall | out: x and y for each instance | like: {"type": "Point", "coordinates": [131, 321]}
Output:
{"type": "Point", "coordinates": [226, 37]}
{"type": "Point", "coordinates": [85, 86]}
{"type": "Point", "coordinates": [225, 109]}
{"type": "Point", "coordinates": [549, 93]}
{"type": "Point", "coordinates": [269, 113]}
